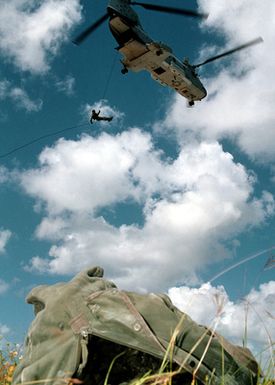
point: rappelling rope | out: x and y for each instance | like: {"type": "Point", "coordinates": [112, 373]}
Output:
{"type": "Point", "coordinates": [15, 149]}
{"type": "Point", "coordinates": [251, 257]}
{"type": "Point", "coordinates": [109, 76]}
{"type": "Point", "coordinates": [38, 139]}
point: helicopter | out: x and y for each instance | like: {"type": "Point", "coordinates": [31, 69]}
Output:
{"type": "Point", "coordinates": [140, 52]}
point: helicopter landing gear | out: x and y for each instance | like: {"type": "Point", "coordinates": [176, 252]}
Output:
{"type": "Point", "coordinates": [191, 103]}
{"type": "Point", "coordinates": [124, 70]}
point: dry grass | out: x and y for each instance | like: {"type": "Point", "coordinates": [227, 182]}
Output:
{"type": "Point", "coordinates": [9, 357]}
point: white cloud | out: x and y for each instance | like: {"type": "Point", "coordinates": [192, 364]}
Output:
{"type": "Point", "coordinates": [252, 318]}
{"type": "Point", "coordinates": [240, 105]}
{"type": "Point", "coordinates": [67, 85]}
{"type": "Point", "coordinates": [105, 110]}
{"type": "Point", "coordinates": [4, 329]}
{"type": "Point", "coordinates": [31, 32]}
{"type": "Point", "coordinates": [88, 174]}
{"type": "Point", "coordinates": [22, 100]}
{"type": "Point", "coordinates": [3, 287]}
{"type": "Point", "coordinates": [5, 235]}
{"type": "Point", "coordinates": [4, 86]}
{"type": "Point", "coordinates": [190, 206]}
{"type": "Point", "coordinates": [4, 174]}
{"type": "Point", "coordinates": [19, 96]}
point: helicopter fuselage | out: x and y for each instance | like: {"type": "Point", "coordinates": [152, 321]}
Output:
{"type": "Point", "coordinates": [140, 52]}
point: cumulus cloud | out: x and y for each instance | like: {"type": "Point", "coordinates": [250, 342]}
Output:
{"type": "Point", "coordinates": [102, 167]}
{"type": "Point", "coordinates": [189, 207]}
{"type": "Point", "coordinates": [19, 96]}
{"type": "Point", "coordinates": [105, 110]}
{"type": "Point", "coordinates": [251, 318]}
{"type": "Point", "coordinates": [4, 329]}
{"type": "Point", "coordinates": [4, 174]}
{"type": "Point", "coordinates": [4, 86]}
{"type": "Point", "coordinates": [3, 287]}
{"type": "Point", "coordinates": [5, 235]}
{"type": "Point", "coordinates": [240, 103]}
{"type": "Point", "coordinates": [31, 32]}
{"type": "Point", "coordinates": [22, 100]}
{"type": "Point", "coordinates": [67, 85]}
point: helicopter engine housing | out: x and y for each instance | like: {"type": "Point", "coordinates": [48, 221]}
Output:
{"type": "Point", "coordinates": [123, 9]}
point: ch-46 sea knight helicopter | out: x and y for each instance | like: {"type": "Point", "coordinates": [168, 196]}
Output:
{"type": "Point", "coordinates": [140, 52]}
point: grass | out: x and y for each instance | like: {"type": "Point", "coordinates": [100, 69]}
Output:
{"type": "Point", "coordinates": [9, 358]}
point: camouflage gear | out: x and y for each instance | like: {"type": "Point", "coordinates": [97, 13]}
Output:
{"type": "Point", "coordinates": [80, 326]}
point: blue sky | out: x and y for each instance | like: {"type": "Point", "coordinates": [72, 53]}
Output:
{"type": "Point", "coordinates": [165, 197]}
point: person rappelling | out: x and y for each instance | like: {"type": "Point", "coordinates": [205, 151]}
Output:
{"type": "Point", "coordinates": [95, 116]}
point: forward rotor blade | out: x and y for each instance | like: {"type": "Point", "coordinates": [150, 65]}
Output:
{"type": "Point", "coordinates": [176, 11]}
{"type": "Point", "coordinates": [83, 35]}
{"type": "Point", "coordinates": [243, 46]}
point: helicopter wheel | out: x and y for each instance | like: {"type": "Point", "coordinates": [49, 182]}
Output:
{"type": "Point", "coordinates": [124, 71]}
{"type": "Point", "coordinates": [191, 103]}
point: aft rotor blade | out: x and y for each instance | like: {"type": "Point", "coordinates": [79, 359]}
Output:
{"type": "Point", "coordinates": [176, 11]}
{"type": "Point", "coordinates": [243, 46]}
{"type": "Point", "coordinates": [83, 35]}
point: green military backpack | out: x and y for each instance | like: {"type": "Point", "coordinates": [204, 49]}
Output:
{"type": "Point", "coordinates": [87, 328]}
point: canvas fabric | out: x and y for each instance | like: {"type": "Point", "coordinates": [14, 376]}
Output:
{"type": "Point", "coordinates": [68, 314]}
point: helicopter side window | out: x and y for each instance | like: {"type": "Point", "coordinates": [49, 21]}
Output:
{"type": "Point", "coordinates": [159, 70]}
